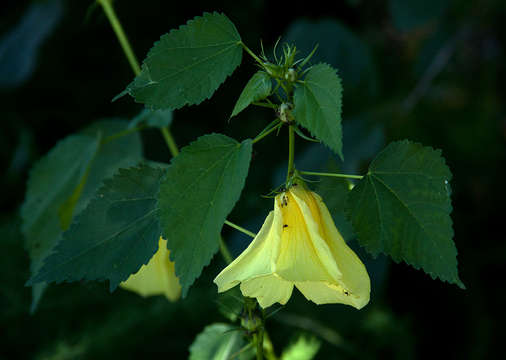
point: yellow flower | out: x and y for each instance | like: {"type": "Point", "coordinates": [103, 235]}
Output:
{"type": "Point", "coordinates": [299, 245]}
{"type": "Point", "coordinates": [157, 277]}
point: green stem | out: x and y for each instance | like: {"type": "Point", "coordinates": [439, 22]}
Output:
{"type": "Point", "coordinates": [260, 343]}
{"type": "Point", "coordinates": [251, 53]}
{"type": "Point", "coordinates": [120, 34]}
{"type": "Point", "coordinates": [121, 134]}
{"type": "Point", "coordinates": [169, 140]}
{"type": "Point", "coordinates": [241, 229]}
{"type": "Point", "coordinates": [265, 105]}
{"type": "Point", "coordinates": [291, 152]}
{"type": "Point", "coordinates": [268, 348]}
{"type": "Point", "coordinates": [224, 251]}
{"type": "Point", "coordinates": [134, 64]}
{"type": "Point", "coordinates": [331, 174]}
{"type": "Point", "coordinates": [265, 133]}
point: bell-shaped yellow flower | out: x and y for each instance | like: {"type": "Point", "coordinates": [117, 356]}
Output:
{"type": "Point", "coordinates": [299, 245]}
{"type": "Point", "coordinates": [158, 277]}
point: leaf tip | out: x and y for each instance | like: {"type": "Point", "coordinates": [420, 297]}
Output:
{"type": "Point", "coordinates": [120, 95]}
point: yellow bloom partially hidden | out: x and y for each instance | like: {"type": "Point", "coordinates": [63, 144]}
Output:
{"type": "Point", "coordinates": [298, 245]}
{"type": "Point", "coordinates": [158, 277]}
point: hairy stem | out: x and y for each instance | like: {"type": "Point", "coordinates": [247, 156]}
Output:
{"type": "Point", "coordinates": [134, 64]}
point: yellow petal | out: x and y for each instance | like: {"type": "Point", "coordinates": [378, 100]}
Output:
{"type": "Point", "coordinates": [157, 277]}
{"type": "Point", "coordinates": [321, 292]}
{"type": "Point", "coordinates": [299, 245]}
{"type": "Point", "coordinates": [354, 277]}
{"type": "Point", "coordinates": [267, 289]}
{"type": "Point", "coordinates": [256, 260]}
{"type": "Point", "coordinates": [304, 254]}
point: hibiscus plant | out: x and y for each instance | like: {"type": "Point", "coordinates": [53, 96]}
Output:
{"type": "Point", "coordinates": [152, 228]}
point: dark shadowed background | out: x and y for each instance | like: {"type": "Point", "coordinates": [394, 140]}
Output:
{"type": "Point", "coordinates": [431, 71]}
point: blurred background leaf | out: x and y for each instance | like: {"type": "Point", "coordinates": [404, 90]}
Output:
{"type": "Point", "coordinates": [219, 342]}
{"type": "Point", "coordinates": [20, 46]}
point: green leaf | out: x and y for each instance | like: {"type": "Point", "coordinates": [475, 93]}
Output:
{"type": "Point", "coordinates": [257, 88]}
{"type": "Point", "coordinates": [402, 208]}
{"type": "Point", "coordinates": [188, 64]}
{"type": "Point", "coordinates": [318, 106]}
{"type": "Point", "coordinates": [52, 181]}
{"type": "Point", "coordinates": [218, 342]}
{"type": "Point", "coordinates": [230, 304]}
{"type": "Point", "coordinates": [152, 118]}
{"type": "Point", "coordinates": [122, 152]}
{"type": "Point", "coordinates": [201, 187]}
{"type": "Point", "coordinates": [63, 181]}
{"type": "Point", "coordinates": [303, 349]}
{"type": "Point", "coordinates": [114, 236]}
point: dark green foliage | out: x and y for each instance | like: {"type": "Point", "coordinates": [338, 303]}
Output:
{"type": "Point", "coordinates": [402, 208]}
{"type": "Point", "coordinates": [219, 342]}
{"type": "Point", "coordinates": [188, 64]}
{"type": "Point", "coordinates": [318, 106]}
{"type": "Point", "coordinates": [62, 183]}
{"type": "Point", "coordinates": [116, 234]}
{"type": "Point", "coordinates": [155, 118]}
{"type": "Point", "coordinates": [200, 188]}
{"type": "Point", "coordinates": [257, 88]}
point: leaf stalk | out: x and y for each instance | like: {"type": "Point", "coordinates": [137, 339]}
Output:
{"type": "Point", "coordinates": [291, 153]}
{"type": "Point", "coordinates": [314, 173]}
{"type": "Point", "coordinates": [241, 229]}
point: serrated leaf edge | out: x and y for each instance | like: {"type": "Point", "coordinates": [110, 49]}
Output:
{"type": "Point", "coordinates": [375, 254]}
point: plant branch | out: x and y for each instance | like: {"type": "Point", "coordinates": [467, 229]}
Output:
{"type": "Point", "coordinates": [169, 140]}
{"type": "Point", "coordinates": [241, 229]}
{"type": "Point", "coordinates": [121, 134]}
{"type": "Point", "coordinates": [247, 49]}
{"type": "Point", "coordinates": [265, 133]}
{"type": "Point", "coordinates": [265, 105]}
{"type": "Point", "coordinates": [291, 152]}
{"type": "Point", "coordinates": [260, 343]}
{"type": "Point", "coordinates": [331, 175]}
{"type": "Point", "coordinates": [120, 34]}
{"type": "Point", "coordinates": [134, 64]}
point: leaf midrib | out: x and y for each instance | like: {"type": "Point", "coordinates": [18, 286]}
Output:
{"type": "Point", "coordinates": [191, 65]}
